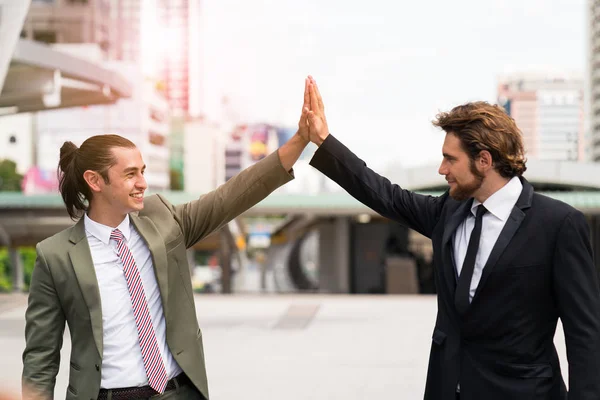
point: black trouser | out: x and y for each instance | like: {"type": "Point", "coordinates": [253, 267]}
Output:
{"type": "Point", "coordinates": [178, 388]}
{"type": "Point", "coordinates": [185, 392]}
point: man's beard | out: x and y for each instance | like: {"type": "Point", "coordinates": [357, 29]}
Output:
{"type": "Point", "coordinates": [466, 191]}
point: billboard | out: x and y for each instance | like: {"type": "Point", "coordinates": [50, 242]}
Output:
{"type": "Point", "coordinates": [248, 144]}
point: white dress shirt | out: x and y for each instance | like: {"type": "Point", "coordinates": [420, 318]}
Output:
{"type": "Point", "coordinates": [122, 363]}
{"type": "Point", "coordinates": [499, 206]}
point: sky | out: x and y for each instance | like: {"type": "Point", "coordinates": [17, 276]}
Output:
{"type": "Point", "coordinates": [384, 68]}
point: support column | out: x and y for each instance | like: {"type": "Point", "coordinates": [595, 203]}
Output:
{"type": "Point", "coordinates": [225, 259]}
{"type": "Point", "coordinates": [18, 275]}
{"type": "Point", "coordinates": [334, 255]}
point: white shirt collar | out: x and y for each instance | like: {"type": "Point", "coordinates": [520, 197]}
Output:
{"type": "Point", "coordinates": [102, 232]}
{"type": "Point", "coordinates": [501, 203]}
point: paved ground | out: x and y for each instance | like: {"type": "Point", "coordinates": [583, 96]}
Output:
{"type": "Point", "coordinates": [288, 346]}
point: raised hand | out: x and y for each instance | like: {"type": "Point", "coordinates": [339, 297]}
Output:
{"type": "Point", "coordinates": [303, 123]}
{"type": "Point", "coordinates": [317, 122]}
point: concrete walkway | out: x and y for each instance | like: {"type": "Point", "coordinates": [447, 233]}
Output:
{"type": "Point", "coordinates": [291, 347]}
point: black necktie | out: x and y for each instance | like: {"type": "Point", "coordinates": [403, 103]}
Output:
{"type": "Point", "coordinates": [463, 288]}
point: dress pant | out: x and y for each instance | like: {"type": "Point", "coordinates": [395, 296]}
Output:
{"type": "Point", "coordinates": [183, 392]}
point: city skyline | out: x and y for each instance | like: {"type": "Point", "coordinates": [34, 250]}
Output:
{"type": "Point", "coordinates": [384, 71]}
{"type": "Point", "coordinates": [366, 66]}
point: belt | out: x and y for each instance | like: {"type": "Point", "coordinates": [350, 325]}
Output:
{"type": "Point", "coordinates": [142, 392]}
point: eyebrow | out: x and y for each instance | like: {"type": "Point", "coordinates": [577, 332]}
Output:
{"type": "Point", "coordinates": [133, 169]}
{"type": "Point", "coordinates": [446, 155]}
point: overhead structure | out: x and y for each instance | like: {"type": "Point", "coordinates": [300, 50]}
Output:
{"type": "Point", "coordinates": [40, 78]}
{"type": "Point", "coordinates": [36, 77]}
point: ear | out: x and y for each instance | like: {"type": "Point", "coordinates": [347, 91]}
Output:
{"type": "Point", "coordinates": [485, 160]}
{"type": "Point", "coordinates": [94, 180]}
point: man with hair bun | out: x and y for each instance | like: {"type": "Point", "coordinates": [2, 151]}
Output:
{"type": "Point", "coordinates": [508, 262]}
{"type": "Point", "coordinates": [120, 277]}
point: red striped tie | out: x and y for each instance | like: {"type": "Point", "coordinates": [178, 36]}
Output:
{"type": "Point", "coordinates": [153, 363]}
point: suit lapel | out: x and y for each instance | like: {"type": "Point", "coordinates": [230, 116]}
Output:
{"type": "Point", "coordinates": [510, 228]}
{"type": "Point", "coordinates": [456, 219]}
{"type": "Point", "coordinates": [83, 265]}
{"type": "Point", "coordinates": [156, 245]}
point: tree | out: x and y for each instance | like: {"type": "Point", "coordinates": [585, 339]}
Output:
{"type": "Point", "coordinates": [10, 179]}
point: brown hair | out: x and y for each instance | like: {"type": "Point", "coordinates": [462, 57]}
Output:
{"type": "Point", "coordinates": [94, 154]}
{"type": "Point", "coordinates": [482, 126]}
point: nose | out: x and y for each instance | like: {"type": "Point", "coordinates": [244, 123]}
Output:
{"type": "Point", "coordinates": [141, 183]}
{"type": "Point", "coordinates": [443, 170]}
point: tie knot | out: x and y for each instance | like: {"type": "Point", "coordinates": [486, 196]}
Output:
{"type": "Point", "coordinates": [116, 235]}
{"type": "Point", "coordinates": [481, 210]}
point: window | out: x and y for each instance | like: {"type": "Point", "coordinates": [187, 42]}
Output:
{"type": "Point", "coordinates": [44, 36]}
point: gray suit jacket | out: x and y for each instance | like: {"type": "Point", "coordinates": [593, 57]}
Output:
{"type": "Point", "coordinates": [64, 287]}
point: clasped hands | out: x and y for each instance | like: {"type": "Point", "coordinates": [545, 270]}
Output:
{"type": "Point", "coordinates": [312, 126]}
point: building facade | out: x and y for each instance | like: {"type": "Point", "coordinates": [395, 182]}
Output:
{"type": "Point", "coordinates": [164, 36]}
{"type": "Point", "coordinates": [204, 156]}
{"type": "Point", "coordinates": [69, 21]}
{"type": "Point", "coordinates": [143, 119]}
{"type": "Point", "coordinates": [16, 140]}
{"type": "Point", "coordinates": [85, 29]}
{"type": "Point", "coordinates": [593, 13]}
{"type": "Point", "coordinates": [549, 110]}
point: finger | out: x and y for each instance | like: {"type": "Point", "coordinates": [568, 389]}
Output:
{"type": "Point", "coordinates": [320, 105]}
{"type": "Point", "coordinates": [314, 101]}
{"type": "Point", "coordinates": [305, 111]}
{"type": "Point", "coordinates": [312, 118]}
{"type": "Point", "coordinates": [303, 118]}
{"type": "Point", "coordinates": [306, 94]}
{"type": "Point", "coordinates": [319, 98]}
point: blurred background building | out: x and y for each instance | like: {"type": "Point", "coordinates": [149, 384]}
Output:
{"type": "Point", "coordinates": [593, 64]}
{"type": "Point", "coordinates": [164, 35]}
{"type": "Point", "coordinates": [70, 21]}
{"type": "Point", "coordinates": [309, 235]}
{"type": "Point", "coordinates": [549, 109]}
{"type": "Point", "coordinates": [107, 33]}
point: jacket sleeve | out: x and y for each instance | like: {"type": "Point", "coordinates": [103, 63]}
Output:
{"type": "Point", "coordinates": [211, 211]}
{"type": "Point", "coordinates": [418, 212]}
{"type": "Point", "coordinates": [578, 299]}
{"type": "Point", "coordinates": [44, 329]}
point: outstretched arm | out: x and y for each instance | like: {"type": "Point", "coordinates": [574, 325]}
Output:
{"type": "Point", "coordinates": [210, 212]}
{"type": "Point", "coordinates": [337, 162]}
{"type": "Point", "coordinates": [290, 151]}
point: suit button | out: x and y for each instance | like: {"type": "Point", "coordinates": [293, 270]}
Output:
{"type": "Point", "coordinates": [97, 367]}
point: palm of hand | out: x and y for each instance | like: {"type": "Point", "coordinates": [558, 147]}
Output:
{"type": "Point", "coordinates": [313, 124]}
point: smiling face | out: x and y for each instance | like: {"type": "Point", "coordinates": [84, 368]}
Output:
{"type": "Point", "coordinates": [460, 171]}
{"type": "Point", "coordinates": [123, 191]}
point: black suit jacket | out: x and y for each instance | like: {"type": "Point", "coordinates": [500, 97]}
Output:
{"type": "Point", "coordinates": [540, 269]}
